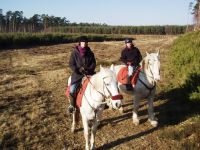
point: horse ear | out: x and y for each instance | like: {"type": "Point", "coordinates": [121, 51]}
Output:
{"type": "Point", "coordinates": [112, 67]}
{"type": "Point", "coordinates": [158, 52]}
{"type": "Point", "coordinates": [101, 68]}
{"type": "Point", "coordinates": [142, 63]}
{"type": "Point", "coordinates": [147, 53]}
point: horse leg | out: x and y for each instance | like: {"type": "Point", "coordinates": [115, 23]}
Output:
{"type": "Point", "coordinates": [86, 132]}
{"type": "Point", "coordinates": [99, 113]}
{"type": "Point", "coordinates": [73, 121]}
{"type": "Point", "coordinates": [93, 133]}
{"type": "Point", "coordinates": [135, 111]}
{"type": "Point", "coordinates": [151, 117]}
{"type": "Point", "coordinates": [121, 109]}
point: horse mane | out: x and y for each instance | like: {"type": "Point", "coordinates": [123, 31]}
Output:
{"type": "Point", "coordinates": [105, 72]}
{"type": "Point", "coordinates": [144, 63]}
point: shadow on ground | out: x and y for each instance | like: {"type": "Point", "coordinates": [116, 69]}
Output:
{"type": "Point", "coordinates": [126, 139]}
{"type": "Point", "coordinates": [177, 109]}
{"type": "Point", "coordinates": [179, 105]}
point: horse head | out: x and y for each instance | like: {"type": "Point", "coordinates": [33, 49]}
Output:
{"type": "Point", "coordinates": [151, 65]}
{"type": "Point", "coordinates": [110, 87]}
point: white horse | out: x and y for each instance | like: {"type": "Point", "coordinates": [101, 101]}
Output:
{"type": "Point", "coordinates": [101, 86]}
{"type": "Point", "coordinates": [145, 87]}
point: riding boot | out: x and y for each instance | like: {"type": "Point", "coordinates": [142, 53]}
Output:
{"type": "Point", "coordinates": [128, 85]}
{"type": "Point", "coordinates": [72, 105]}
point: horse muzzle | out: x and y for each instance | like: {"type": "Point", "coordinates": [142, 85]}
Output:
{"type": "Point", "coordinates": [157, 78]}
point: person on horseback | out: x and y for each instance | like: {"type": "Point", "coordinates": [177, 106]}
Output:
{"type": "Point", "coordinates": [131, 56]}
{"type": "Point", "coordinates": [82, 62]}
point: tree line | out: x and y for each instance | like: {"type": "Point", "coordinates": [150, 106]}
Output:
{"type": "Point", "coordinates": [16, 22]}
{"type": "Point", "coordinates": [153, 30]}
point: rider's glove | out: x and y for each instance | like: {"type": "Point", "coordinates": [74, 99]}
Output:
{"type": "Point", "coordinates": [82, 70]}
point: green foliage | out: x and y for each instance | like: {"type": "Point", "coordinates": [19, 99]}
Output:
{"type": "Point", "coordinates": [105, 29]}
{"type": "Point", "coordinates": [20, 40]}
{"type": "Point", "coordinates": [185, 64]}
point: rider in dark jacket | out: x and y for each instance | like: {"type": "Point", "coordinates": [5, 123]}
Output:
{"type": "Point", "coordinates": [82, 62]}
{"type": "Point", "coordinates": [131, 56]}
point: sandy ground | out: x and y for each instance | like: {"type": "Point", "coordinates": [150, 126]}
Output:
{"type": "Point", "coordinates": [33, 103]}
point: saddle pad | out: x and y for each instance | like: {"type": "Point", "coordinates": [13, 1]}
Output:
{"type": "Point", "coordinates": [135, 76]}
{"type": "Point", "coordinates": [123, 73]}
{"type": "Point", "coordinates": [80, 93]}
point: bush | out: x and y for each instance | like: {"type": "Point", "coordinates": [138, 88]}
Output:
{"type": "Point", "coordinates": [185, 64]}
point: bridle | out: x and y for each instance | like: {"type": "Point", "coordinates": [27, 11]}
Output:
{"type": "Point", "coordinates": [115, 97]}
{"type": "Point", "coordinates": [151, 76]}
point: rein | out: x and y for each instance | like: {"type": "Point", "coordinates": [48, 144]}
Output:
{"type": "Point", "coordinates": [149, 88]}
{"type": "Point", "coordinates": [103, 94]}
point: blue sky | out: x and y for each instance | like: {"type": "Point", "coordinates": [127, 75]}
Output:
{"type": "Point", "coordinates": [111, 12]}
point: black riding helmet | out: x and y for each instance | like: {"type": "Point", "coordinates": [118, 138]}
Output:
{"type": "Point", "coordinates": [128, 40]}
{"type": "Point", "coordinates": [83, 39]}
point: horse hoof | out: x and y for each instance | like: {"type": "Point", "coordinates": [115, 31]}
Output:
{"type": "Point", "coordinates": [136, 122]}
{"type": "Point", "coordinates": [92, 148]}
{"type": "Point", "coordinates": [154, 123]}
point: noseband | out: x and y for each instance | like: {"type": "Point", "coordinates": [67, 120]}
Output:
{"type": "Point", "coordinates": [115, 97]}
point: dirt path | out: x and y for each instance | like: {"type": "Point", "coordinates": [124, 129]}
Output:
{"type": "Point", "coordinates": [33, 104]}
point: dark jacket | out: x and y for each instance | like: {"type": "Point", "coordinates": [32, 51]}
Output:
{"type": "Point", "coordinates": [132, 55]}
{"type": "Point", "coordinates": [88, 62]}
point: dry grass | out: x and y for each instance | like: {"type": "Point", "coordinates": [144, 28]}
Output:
{"type": "Point", "coordinates": [187, 133]}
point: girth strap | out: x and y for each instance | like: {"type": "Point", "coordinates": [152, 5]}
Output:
{"type": "Point", "coordinates": [149, 88]}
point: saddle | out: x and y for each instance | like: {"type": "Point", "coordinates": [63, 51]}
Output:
{"type": "Point", "coordinates": [123, 73]}
{"type": "Point", "coordinates": [80, 91]}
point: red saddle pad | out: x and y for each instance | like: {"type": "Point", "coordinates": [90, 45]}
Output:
{"type": "Point", "coordinates": [123, 73]}
{"type": "Point", "coordinates": [80, 93]}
